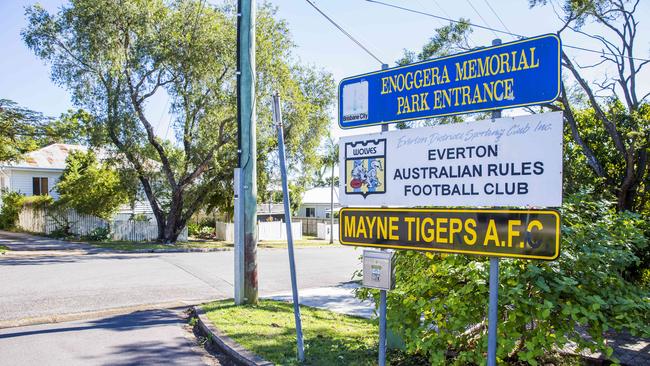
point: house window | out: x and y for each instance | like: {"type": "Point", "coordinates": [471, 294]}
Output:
{"type": "Point", "coordinates": [39, 186]}
{"type": "Point", "coordinates": [310, 212]}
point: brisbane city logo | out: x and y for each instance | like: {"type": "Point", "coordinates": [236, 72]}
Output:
{"type": "Point", "coordinates": [365, 167]}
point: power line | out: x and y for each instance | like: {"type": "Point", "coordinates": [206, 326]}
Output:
{"type": "Point", "coordinates": [469, 37]}
{"type": "Point", "coordinates": [601, 52]}
{"type": "Point", "coordinates": [483, 19]}
{"type": "Point", "coordinates": [344, 31]}
{"type": "Point", "coordinates": [497, 15]}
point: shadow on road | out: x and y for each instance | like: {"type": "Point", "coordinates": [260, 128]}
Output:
{"type": "Point", "coordinates": [58, 259]}
{"type": "Point", "coordinates": [137, 320]}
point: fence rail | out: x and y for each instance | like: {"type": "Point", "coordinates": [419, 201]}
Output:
{"type": "Point", "coordinates": [43, 221]}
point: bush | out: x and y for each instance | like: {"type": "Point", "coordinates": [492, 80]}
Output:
{"type": "Point", "coordinates": [440, 302]}
{"type": "Point", "coordinates": [193, 229]}
{"type": "Point", "coordinates": [12, 204]}
{"type": "Point", "coordinates": [37, 201]}
{"type": "Point", "coordinates": [99, 234]}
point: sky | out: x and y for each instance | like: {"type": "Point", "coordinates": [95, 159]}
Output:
{"type": "Point", "coordinates": [385, 31]}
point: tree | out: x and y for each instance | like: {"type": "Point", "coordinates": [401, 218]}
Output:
{"type": "Point", "coordinates": [90, 187]}
{"type": "Point", "coordinates": [23, 130]}
{"type": "Point", "coordinates": [620, 114]}
{"type": "Point", "coordinates": [115, 56]}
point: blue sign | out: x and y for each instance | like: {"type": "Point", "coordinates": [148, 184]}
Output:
{"type": "Point", "coordinates": [510, 75]}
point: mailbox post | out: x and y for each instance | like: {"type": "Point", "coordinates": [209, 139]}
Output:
{"type": "Point", "coordinates": [379, 273]}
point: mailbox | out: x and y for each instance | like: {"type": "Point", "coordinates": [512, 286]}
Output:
{"type": "Point", "coordinates": [378, 270]}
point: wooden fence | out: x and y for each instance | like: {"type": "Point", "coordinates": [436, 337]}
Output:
{"type": "Point", "coordinates": [43, 221]}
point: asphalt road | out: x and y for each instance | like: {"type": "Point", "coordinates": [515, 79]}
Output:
{"type": "Point", "coordinates": [157, 337]}
{"type": "Point", "coordinates": [70, 308]}
{"type": "Point", "coordinates": [49, 286]}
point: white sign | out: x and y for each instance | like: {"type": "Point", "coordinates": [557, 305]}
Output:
{"type": "Point", "coordinates": [503, 162]}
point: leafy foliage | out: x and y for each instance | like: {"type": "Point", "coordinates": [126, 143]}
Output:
{"type": "Point", "coordinates": [10, 209]}
{"type": "Point", "coordinates": [23, 130]}
{"type": "Point", "coordinates": [90, 187]}
{"type": "Point", "coordinates": [187, 49]}
{"type": "Point", "coordinates": [98, 234]}
{"type": "Point", "coordinates": [12, 204]}
{"type": "Point", "coordinates": [440, 302]}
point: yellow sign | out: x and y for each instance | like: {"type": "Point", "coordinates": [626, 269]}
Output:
{"type": "Point", "coordinates": [526, 234]}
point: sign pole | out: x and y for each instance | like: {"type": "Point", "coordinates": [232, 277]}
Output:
{"type": "Point", "coordinates": [382, 294]}
{"type": "Point", "coordinates": [493, 307]}
{"type": "Point", "coordinates": [277, 119]}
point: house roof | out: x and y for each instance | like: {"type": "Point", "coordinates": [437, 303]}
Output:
{"type": "Point", "coordinates": [49, 157]}
{"type": "Point", "coordinates": [320, 195]}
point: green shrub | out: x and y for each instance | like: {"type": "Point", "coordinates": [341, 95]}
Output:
{"type": "Point", "coordinates": [193, 229]}
{"type": "Point", "coordinates": [440, 302]}
{"type": "Point", "coordinates": [98, 234]}
{"type": "Point", "coordinates": [37, 201]}
{"type": "Point", "coordinates": [12, 204]}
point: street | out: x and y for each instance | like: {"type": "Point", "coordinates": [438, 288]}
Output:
{"type": "Point", "coordinates": [53, 285]}
{"type": "Point", "coordinates": [72, 305]}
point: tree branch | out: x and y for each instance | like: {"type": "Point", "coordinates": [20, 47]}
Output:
{"type": "Point", "coordinates": [593, 162]}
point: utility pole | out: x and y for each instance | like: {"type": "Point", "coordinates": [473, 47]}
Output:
{"type": "Point", "coordinates": [247, 151]}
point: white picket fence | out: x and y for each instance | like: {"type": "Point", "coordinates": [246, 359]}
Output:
{"type": "Point", "coordinates": [42, 221]}
{"type": "Point", "coordinates": [273, 230]}
{"type": "Point", "coordinates": [324, 231]}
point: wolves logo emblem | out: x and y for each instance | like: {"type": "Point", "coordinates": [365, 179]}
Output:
{"type": "Point", "coordinates": [365, 167]}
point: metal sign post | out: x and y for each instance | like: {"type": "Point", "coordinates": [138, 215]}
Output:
{"type": "Point", "coordinates": [493, 305]}
{"type": "Point", "coordinates": [382, 293]}
{"type": "Point", "coordinates": [277, 119]}
{"type": "Point", "coordinates": [379, 273]}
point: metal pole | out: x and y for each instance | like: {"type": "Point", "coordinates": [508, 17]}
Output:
{"type": "Point", "coordinates": [248, 157]}
{"type": "Point", "coordinates": [382, 294]}
{"type": "Point", "coordinates": [332, 205]}
{"type": "Point", "coordinates": [493, 309]}
{"type": "Point", "coordinates": [277, 118]}
{"type": "Point", "coordinates": [382, 327]}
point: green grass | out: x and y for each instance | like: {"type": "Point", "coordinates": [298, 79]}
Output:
{"type": "Point", "coordinates": [3, 249]}
{"type": "Point", "coordinates": [144, 245]}
{"type": "Point", "coordinates": [331, 339]}
{"type": "Point", "coordinates": [268, 330]}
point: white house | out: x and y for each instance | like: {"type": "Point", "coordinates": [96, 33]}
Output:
{"type": "Point", "coordinates": [38, 172]}
{"type": "Point", "coordinates": [316, 202]}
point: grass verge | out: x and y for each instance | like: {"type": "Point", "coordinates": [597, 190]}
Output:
{"type": "Point", "coordinates": [146, 245]}
{"type": "Point", "coordinates": [268, 330]}
{"type": "Point", "coordinates": [3, 249]}
{"type": "Point", "coordinates": [307, 242]}
{"type": "Point", "coordinates": [332, 339]}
